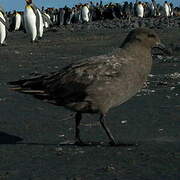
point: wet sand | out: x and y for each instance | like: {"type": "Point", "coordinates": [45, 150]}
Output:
{"type": "Point", "coordinates": [35, 137]}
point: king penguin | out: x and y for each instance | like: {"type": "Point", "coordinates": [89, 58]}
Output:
{"type": "Point", "coordinates": [33, 21]}
{"type": "Point", "coordinates": [18, 21]}
{"type": "Point", "coordinates": [167, 9]}
{"type": "Point", "coordinates": [85, 13]}
{"type": "Point", "coordinates": [140, 10]}
{"type": "Point", "coordinates": [4, 26]}
{"type": "Point", "coordinates": [46, 20]}
{"type": "Point", "coordinates": [40, 25]}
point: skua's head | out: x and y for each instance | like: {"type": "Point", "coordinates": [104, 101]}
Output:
{"type": "Point", "coordinates": [142, 36]}
{"type": "Point", "coordinates": [145, 38]}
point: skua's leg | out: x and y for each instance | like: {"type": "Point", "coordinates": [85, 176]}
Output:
{"type": "Point", "coordinates": [108, 132]}
{"type": "Point", "coordinates": [78, 118]}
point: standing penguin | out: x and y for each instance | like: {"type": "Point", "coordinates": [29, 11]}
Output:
{"type": "Point", "coordinates": [85, 13]}
{"type": "Point", "coordinates": [61, 16]}
{"type": "Point", "coordinates": [40, 25]}
{"type": "Point", "coordinates": [3, 26]}
{"type": "Point", "coordinates": [18, 21]}
{"type": "Point", "coordinates": [153, 8]}
{"type": "Point", "coordinates": [171, 8]}
{"type": "Point", "coordinates": [140, 10]}
{"type": "Point", "coordinates": [46, 20]}
{"type": "Point", "coordinates": [33, 21]}
{"type": "Point", "coordinates": [166, 9]}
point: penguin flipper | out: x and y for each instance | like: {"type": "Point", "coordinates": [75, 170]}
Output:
{"type": "Point", "coordinates": [4, 23]}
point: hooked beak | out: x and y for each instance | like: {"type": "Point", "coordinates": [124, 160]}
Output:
{"type": "Point", "coordinates": [163, 49]}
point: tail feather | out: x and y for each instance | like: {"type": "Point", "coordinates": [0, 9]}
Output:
{"type": "Point", "coordinates": [19, 82]}
{"type": "Point", "coordinates": [35, 83]}
{"type": "Point", "coordinates": [29, 91]}
{"type": "Point", "coordinates": [36, 86]}
{"type": "Point", "coordinates": [33, 86]}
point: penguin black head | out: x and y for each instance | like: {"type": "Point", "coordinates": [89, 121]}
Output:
{"type": "Point", "coordinates": [28, 2]}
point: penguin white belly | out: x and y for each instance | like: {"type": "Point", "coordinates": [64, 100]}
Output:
{"type": "Point", "coordinates": [30, 22]}
{"type": "Point", "coordinates": [171, 13]}
{"type": "Point", "coordinates": [152, 7]}
{"type": "Point", "coordinates": [140, 11]}
{"type": "Point", "coordinates": [40, 28]}
{"type": "Point", "coordinates": [54, 18]}
{"type": "Point", "coordinates": [152, 10]}
{"type": "Point", "coordinates": [18, 22]}
{"type": "Point", "coordinates": [46, 25]}
{"type": "Point", "coordinates": [85, 14]}
{"type": "Point", "coordinates": [166, 7]}
{"type": "Point", "coordinates": [2, 30]}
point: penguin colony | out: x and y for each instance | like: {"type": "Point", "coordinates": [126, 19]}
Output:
{"type": "Point", "coordinates": [34, 21]}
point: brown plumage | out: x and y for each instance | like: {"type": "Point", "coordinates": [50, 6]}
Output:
{"type": "Point", "coordinates": [98, 83]}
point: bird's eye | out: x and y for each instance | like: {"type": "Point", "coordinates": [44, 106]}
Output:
{"type": "Point", "coordinates": [151, 36]}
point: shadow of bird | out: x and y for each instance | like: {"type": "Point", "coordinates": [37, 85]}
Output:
{"type": "Point", "coordinates": [9, 139]}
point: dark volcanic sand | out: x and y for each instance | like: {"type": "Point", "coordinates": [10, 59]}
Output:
{"type": "Point", "coordinates": [150, 119]}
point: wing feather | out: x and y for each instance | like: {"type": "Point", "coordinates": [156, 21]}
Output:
{"type": "Point", "coordinates": [70, 83]}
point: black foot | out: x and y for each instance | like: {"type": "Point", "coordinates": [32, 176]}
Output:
{"type": "Point", "coordinates": [39, 38]}
{"type": "Point", "coordinates": [80, 143]}
{"type": "Point", "coordinates": [35, 41]}
{"type": "Point", "coordinates": [4, 44]}
{"type": "Point", "coordinates": [112, 143]}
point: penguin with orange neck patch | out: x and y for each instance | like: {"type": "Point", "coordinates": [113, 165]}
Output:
{"type": "Point", "coordinates": [33, 21]}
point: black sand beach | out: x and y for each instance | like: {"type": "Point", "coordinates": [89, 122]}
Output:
{"type": "Point", "coordinates": [35, 137]}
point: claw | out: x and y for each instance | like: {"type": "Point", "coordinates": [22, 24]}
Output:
{"type": "Point", "coordinates": [79, 142]}
{"type": "Point", "coordinates": [112, 143]}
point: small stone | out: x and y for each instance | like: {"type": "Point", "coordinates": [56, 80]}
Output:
{"type": "Point", "coordinates": [130, 149]}
{"type": "Point", "coordinates": [61, 135]}
{"type": "Point", "coordinates": [82, 152]}
{"type": "Point", "coordinates": [160, 130]}
{"type": "Point", "coordinates": [151, 75]}
{"type": "Point", "coordinates": [124, 122]}
{"type": "Point", "coordinates": [159, 57]}
{"type": "Point", "coordinates": [16, 52]}
{"type": "Point", "coordinates": [59, 149]}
